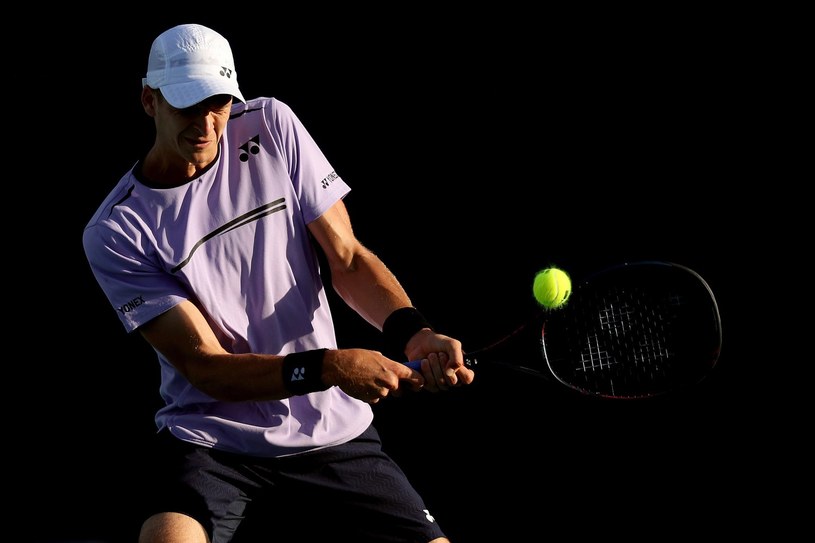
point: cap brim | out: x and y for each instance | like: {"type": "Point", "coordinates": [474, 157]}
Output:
{"type": "Point", "coordinates": [184, 95]}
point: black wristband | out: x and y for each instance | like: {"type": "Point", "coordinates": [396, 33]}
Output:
{"type": "Point", "coordinates": [303, 371]}
{"type": "Point", "coordinates": [400, 326]}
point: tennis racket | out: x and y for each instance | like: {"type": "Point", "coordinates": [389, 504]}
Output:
{"type": "Point", "coordinates": [634, 330]}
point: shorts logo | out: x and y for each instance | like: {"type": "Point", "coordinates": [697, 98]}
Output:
{"type": "Point", "coordinates": [428, 516]}
{"type": "Point", "coordinates": [131, 305]}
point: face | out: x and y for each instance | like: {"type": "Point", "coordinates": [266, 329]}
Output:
{"type": "Point", "coordinates": [186, 139]}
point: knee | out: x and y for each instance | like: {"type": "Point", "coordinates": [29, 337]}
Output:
{"type": "Point", "coordinates": [172, 528]}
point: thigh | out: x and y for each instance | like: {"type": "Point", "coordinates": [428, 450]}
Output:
{"type": "Point", "coordinates": [198, 482]}
{"type": "Point", "coordinates": [361, 493]}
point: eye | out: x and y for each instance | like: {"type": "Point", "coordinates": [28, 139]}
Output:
{"type": "Point", "coordinates": [216, 103]}
{"type": "Point", "coordinates": [220, 101]}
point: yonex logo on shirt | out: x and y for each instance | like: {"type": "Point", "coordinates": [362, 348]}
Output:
{"type": "Point", "coordinates": [328, 179]}
{"type": "Point", "coordinates": [131, 305]}
{"type": "Point", "coordinates": [252, 146]}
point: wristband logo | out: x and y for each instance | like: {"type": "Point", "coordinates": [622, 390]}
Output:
{"type": "Point", "coordinates": [298, 374]}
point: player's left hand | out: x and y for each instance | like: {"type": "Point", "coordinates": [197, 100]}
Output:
{"type": "Point", "coordinates": [442, 360]}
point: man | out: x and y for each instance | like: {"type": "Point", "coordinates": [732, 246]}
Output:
{"type": "Point", "coordinates": [206, 247]}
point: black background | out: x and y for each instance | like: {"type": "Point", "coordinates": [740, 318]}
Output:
{"type": "Point", "coordinates": [480, 147]}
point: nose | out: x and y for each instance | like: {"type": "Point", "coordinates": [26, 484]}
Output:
{"type": "Point", "coordinates": [204, 122]}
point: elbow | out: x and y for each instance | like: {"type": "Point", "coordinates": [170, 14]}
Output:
{"type": "Point", "coordinates": [206, 374]}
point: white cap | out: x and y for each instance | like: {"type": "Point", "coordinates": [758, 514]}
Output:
{"type": "Point", "coordinates": [189, 63]}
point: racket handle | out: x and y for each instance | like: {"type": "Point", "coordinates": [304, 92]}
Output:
{"type": "Point", "coordinates": [417, 364]}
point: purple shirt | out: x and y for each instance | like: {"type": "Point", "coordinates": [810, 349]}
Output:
{"type": "Point", "coordinates": [234, 241]}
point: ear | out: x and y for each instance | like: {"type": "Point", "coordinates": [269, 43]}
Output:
{"type": "Point", "coordinates": [149, 100]}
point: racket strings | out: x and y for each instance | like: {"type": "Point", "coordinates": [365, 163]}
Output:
{"type": "Point", "coordinates": [624, 338]}
{"type": "Point", "coordinates": [635, 331]}
{"type": "Point", "coordinates": [615, 321]}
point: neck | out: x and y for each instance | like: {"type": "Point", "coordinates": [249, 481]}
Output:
{"type": "Point", "coordinates": [162, 171]}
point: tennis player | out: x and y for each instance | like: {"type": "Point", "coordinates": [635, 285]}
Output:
{"type": "Point", "coordinates": [208, 247]}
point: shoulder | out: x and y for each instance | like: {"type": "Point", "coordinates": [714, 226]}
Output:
{"type": "Point", "coordinates": [260, 115]}
{"type": "Point", "coordinates": [115, 200]}
{"type": "Point", "coordinates": [269, 116]}
{"type": "Point", "coordinates": [268, 106]}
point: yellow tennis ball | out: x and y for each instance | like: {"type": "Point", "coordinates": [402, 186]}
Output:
{"type": "Point", "coordinates": [552, 287]}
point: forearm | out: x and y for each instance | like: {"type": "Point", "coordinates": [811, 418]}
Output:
{"type": "Point", "coordinates": [183, 336]}
{"type": "Point", "coordinates": [238, 377]}
{"type": "Point", "coordinates": [361, 373]}
{"type": "Point", "coordinates": [369, 287]}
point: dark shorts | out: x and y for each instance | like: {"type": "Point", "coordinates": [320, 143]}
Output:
{"type": "Point", "coordinates": [350, 492]}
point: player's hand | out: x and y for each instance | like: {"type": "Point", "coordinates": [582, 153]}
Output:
{"type": "Point", "coordinates": [367, 375]}
{"type": "Point", "coordinates": [442, 360]}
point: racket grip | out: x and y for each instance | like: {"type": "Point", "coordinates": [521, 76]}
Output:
{"type": "Point", "coordinates": [470, 362]}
